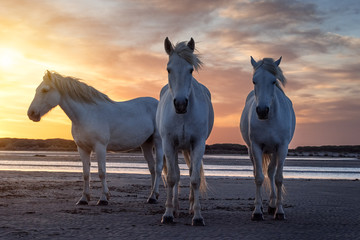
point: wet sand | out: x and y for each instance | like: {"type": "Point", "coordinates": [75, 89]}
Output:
{"type": "Point", "coordinates": [41, 205]}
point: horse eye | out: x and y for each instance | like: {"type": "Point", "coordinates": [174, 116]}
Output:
{"type": "Point", "coordinates": [44, 90]}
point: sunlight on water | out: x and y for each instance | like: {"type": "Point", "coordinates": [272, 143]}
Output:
{"type": "Point", "coordinates": [210, 170]}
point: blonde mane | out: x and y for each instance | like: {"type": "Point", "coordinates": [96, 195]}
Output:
{"type": "Point", "coordinates": [269, 65]}
{"type": "Point", "coordinates": [75, 89]}
{"type": "Point", "coordinates": [186, 53]}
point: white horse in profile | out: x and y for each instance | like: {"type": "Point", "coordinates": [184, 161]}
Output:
{"type": "Point", "coordinates": [267, 126]}
{"type": "Point", "coordinates": [97, 122]}
{"type": "Point", "coordinates": [185, 119]}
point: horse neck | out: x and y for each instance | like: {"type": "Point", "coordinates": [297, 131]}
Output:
{"type": "Point", "coordinates": [194, 86]}
{"type": "Point", "coordinates": [276, 105]}
{"type": "Point", "coordinates": [73, 109]}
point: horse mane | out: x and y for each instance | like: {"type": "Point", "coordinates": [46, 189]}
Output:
{"type": "Point", "coordinates": [269, 65]}
{"type": "Point", "coordinates": [75, 89]}
{"type": "Point", "coordinates": [182, 49]}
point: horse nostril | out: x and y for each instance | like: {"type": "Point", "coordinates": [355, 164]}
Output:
{"type": "Point", "coordinates": [266, 110]}
{"type": "Point", "coordinates": [30, 113]}
{"type": "Point", "coordinates": [262, 112]}
{"type": "Point", "coordinates": [33, 115]}
{"type": "Point", "coordinates": [180, 105]}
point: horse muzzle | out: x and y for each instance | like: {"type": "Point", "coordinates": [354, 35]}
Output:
{"type": "Point", "coordinates": [262, 112]}
{"type": "Point", "coordinates": [34, 116]}
{"type": "Point", "coordinates": [181, 105]}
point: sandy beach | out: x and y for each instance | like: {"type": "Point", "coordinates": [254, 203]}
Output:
{"type": "Point", "coordinates": [41, 205]}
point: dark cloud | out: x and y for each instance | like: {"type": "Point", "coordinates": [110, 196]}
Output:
{"type": "Point", "coordinates": [270, 15]}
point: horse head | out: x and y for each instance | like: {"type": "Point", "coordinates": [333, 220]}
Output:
{"type": "Point", "coordinates": [46, 98]}
{"type": "Point", "coordinates": [180, 67]}
{"type": "Point", "coordinates": [265, 81]}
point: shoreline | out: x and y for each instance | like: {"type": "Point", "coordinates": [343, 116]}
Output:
{"type": "Point", "coordinates": [215, 165]}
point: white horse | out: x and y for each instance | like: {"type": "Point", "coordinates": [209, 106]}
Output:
{"type": "Point", "coordinates": [185, 119]}
{"type": "Point", "coordinates": [97, 122]}
{"type": "Point", "coordinates": [267, 125]}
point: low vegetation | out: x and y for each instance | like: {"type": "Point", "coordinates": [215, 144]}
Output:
{"type": "Point", "coordinates": [56, 144]}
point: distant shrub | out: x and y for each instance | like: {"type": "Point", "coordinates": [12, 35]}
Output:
{"type": "Point", "coordinates": [19, 144]}
{"type": "Point", "coordinates": [226, 148]}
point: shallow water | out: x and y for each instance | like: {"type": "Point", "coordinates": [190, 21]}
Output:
{"type": "Point", "coordinates": [213, 170]}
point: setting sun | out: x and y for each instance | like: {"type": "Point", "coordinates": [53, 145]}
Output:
{"type": "Point", "coordinates": [8, 57]}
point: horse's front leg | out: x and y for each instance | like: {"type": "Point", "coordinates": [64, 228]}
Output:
{"type": "Point", "coordinates": [85, 158]}
{"type": "Point", "coordinates": [101, 159]}
{"type": "Point", "coordinates": [271, 175]}
{"type": "Point", "coordinates": [195, 179]}
{"type": "Point", "coordinates": [257, 214]}
{"type": "Point", "coordinates": [282, 153]}
{"type": "Point", "coordinates": [172, 179]}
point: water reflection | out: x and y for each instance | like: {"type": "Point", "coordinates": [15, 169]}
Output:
{"type": "Point", "coordinates": [210, 170]}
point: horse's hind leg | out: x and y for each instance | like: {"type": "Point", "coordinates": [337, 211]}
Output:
{"type": "Point", "coordinates": [85, 158]}
{"type": "Point", "coordinates": [271, 175]}
{"type": "Point", "coordinates": [101, 159]}
{"type": "Point", "coordinates": [147, 148]}
{"type": "Point", "coordinates": [282, 153]}
{"type": "Point", "coordinates": [159, 154]}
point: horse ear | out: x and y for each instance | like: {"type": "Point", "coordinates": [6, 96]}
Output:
{"type": "Point", "coordinates": [47, 76]}
{"type": "Point", "coordinates": [168, 46]}
{"type": "Point", "coordinates": [277, 62]}
{"type": "Point", "coordinates": [253, 62]}
{"type": "Point", "coordinates": [191, 44]}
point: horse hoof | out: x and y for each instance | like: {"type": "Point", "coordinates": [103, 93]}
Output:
{"type": "Point", "coordinates": [167, 220]}
{"type": "Point", "coordinates": [82, 202]}
{"type": "Point", "coordinates": [152, 201]}
{"type": "Point", "coordinates": [198, 222]}
{"type": "Point", "coordinates": [279, 216]}
{"type": "Point", "coordinates": [102, 203]}
{"type": "Point", "coordinates": [271, 210]}
{"type": "Point", "coordinates": [257, 217]}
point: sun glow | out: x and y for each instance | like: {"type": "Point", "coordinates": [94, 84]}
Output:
{"type": "Point", "coordinates": [8, 57]}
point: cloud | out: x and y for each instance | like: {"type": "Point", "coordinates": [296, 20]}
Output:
{"type": "Point", "coordinates": [260, 11]}
{"type": "Point", "coordinates": [117, 47]}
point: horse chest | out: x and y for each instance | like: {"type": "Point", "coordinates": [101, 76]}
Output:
{"type": "Point", "coordinates": [182, 136]}
{"type": "Point", "coordinates": [269, 132]}
{"type": "Point", "coordinates": [178, 132]}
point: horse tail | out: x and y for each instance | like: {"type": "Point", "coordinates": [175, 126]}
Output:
{"type": "Point", "coordinates": [203, 184]}
{"type": "Point", "coordinates": [165, 171]}
{"type": "Point", "coordinates": [266, 158]}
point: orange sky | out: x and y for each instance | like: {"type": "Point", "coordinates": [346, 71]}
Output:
{"type": "Point", "coordinates": [117, 47]}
